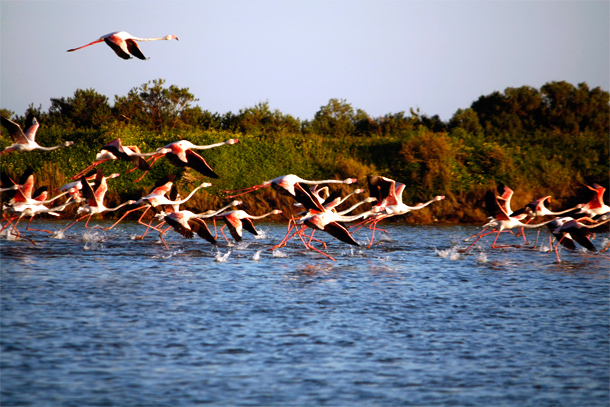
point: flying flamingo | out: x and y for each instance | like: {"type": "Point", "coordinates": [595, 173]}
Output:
{"type": "Point", "coordinates": [180, 153]}
{"type": "Point", "coordinates": [503, 221]}
{"type": "Point", "coordinates": [95, 199]}
{"type": "Point", "coordinates": [23, 209]}
{"type": "Point", "coordinates": [156, 198]}
{"type": "Point", "coordinates": [537, 208]}
{"type": "Point", "coordinates": [238, 220]}
{"type": "Point", "coordinates": [578, 231]}
{"type": "Point", "coordinates": [74, 188]}
{"type": "Point", "coordinates": [391, 204]}
{"type": "Point", "coordinates": [124, 44]}
{"type": "Point", "coordinates": [115, 150]}
{"type": "Point", "coordinates": [26, 141]}
{"type": "Point", "coordinates": [188, 223]}
{"type": "Point", "coordinates": [324, 216]}
{"type": "Point", "coordinates": [315, 205]}
{"type": "Point", "coordinates": [285, 185]}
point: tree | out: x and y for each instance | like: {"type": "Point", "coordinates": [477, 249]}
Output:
{"type": "Point", "coordinates": [153, 106]}
{"type": "Point", "coordinates": [335, 119]}
{"type": "Point", "coordinates": [86, 109]}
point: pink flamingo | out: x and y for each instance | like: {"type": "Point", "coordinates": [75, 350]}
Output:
{"type": "Point", "coordinates": [180, 154]}
{"type": "Point", "coordinates": [238, 220]}
{"type": "Point", "coordinates": [157, 198]}
{"type": "Point", "coordinates": [95, 199]}
{"type": "Point", "coordinates": [115, 150]}
{"type": "Point", "coordinates": [578, 230]}
{"type": "Point", "coordinates": [391, 204]}
{"type": "Point", "coordinates": [503, 222]}
{"type": "Point", "coordinates": [26, 141]}
{"type": "Point", "coordinates": [285, 185]}
{"type": "Point", "coordinates": [124, 44]}
{"type": "Point", "coordinates": [188, 223]}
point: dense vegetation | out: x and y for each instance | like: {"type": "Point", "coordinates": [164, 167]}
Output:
{"type": "Point", "coordinates": [544, 141]}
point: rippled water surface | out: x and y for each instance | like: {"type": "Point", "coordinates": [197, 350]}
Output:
{"type": "Point", "coordinates": [96, 317]}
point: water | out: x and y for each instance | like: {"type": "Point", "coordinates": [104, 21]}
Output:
{"type": "Point", "coordinates": [97, 317]}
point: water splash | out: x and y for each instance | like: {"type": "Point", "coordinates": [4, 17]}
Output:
{"type": "Point", "coordinates": [262, 234]}
{"type": "Point", "coordinates": [222, 258]}
{"type": "Point", "coordinates": [92, 236]}
{"type": "Point", "coordinates": [482, 257]}
{"type": "Point", "coordinates": [452, 253]}
{"type": "Point", "coordinates": [279, 253]}
{"type": "Point", "coordinates": [6, 233]}
{"type": "Point", "coordinates": [58, 234]}
{"type": "Point", "coordinates": [257, 255]}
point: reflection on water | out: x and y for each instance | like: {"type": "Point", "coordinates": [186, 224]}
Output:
{"type": "Point", "coordinates": [94, 317]}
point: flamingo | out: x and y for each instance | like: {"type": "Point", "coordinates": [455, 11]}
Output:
{"type": "Point", "coordinates": [74, 188]}
{"type": "Point", "coordinates": [188, 223]}
{"type": "Point", "coordinates": [285, 185]}
{"type": "Point", "coordinates": [95, 199]}
{"type": "Point", "coordinates": [156, 198]}
{"type": "Point", "coordinates": [23, 209]}
{"type": "Point", "coordinates": [324, 216]}
{"type": "Point", "coordinates": [115, 150]}
{"type": "Point", "coordinates": [26, 141]}
{"type": "Point", "coordinates": [181, 155]}
{"type": "Point", "coordinates": [537, 209]}
{"type": "Point", "coordinates": [389, 196]}
{"type": "Point", "coordinates": [577, 230]}
{"type": "Point", "coordinates": [503, 221]}
{"type": "Point", "coordinates": [238, 220]}
{"type": "Point", "coordinates": [124, 44]}
{"type": "Point", "coordinates": [331, 222]}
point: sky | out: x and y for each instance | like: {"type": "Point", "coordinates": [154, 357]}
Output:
{"type": "Point", "coordinates": [380, 56]}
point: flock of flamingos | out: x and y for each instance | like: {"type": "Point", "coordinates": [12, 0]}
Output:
{"type": "Point", "coordinates": [319, 206]}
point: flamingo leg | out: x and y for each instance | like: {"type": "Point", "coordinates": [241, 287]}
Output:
{"type": "Point", "coordinates": [38, 230]}
{"type": "Point", "coordinates": [141, 176]}
{"type": "Point", "coordinates": [73, 223]}
{"type": "Point", "coordinates": [286, 239]}
{"type": "Point", "coordinates": [123, 217]}
{"type": "Point", "coordinates": [86, 170]}
{"type": "Point", "coordinates": [317, 240]}
{"type": "Point", "coordinates": [493, 246]}
{"type": "Point", "coordinates": [161, 237]}
{"type": "Point", "coordinates": [88, 219]}
{"type": "Point", "coordinates": [223, 234]}
{"type": "Point", "coordinates": [9, 221]}
{"type": "Point", "coordinates": [283, 242]}
{"type": "Point", "coordinates": [321, 252]}
{"type": "Point", "coordinates": [17, 234]}
{"type": "Point", "coordinates": [242, 191]}
{"type": "Point", "coordinates": [481, 234]}
{"type": "Point", "coordinates": [556, 251]}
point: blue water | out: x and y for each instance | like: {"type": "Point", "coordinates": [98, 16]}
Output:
{"type": "Point", "coordinates": [96, 317]}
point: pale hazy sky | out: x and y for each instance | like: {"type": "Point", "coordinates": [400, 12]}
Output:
{"type": "Point", "coordinates": [380, 56]}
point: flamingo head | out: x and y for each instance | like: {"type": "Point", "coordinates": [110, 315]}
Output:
{"type": "Point", "coordinates": [171, 37]}
{"type": "Point", "coordinates": [68, 143]}
{"type": "Point", "coordinates": [350, 180]}
{"type": "Point", "coordinates": [358, 191]}
{"type": "Point", "coordinates": [276, 212]}
{"type": "Point", "coordinates": [370, 199]}
{"type": "Point", "coordinates": [439, 197]}
{"type": "Point", "coordinates": [232, 141]}
{"type": "Point", "coordinates": [236, 203]}
{"type": "Point", "coordinates": [114, 175]}
{"type": "Point", "coordinates": [205, 185]}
